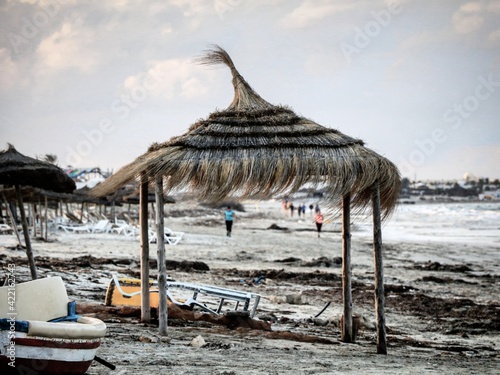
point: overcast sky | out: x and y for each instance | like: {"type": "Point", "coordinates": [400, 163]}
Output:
{"type": "Point", "coordinates": [96, 82]}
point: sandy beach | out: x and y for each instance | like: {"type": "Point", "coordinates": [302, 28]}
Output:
{"type": "Point", "coordinates": [441, 280]}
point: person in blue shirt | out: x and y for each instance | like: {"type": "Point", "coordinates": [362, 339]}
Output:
{"type": "Point", "coordinates": [229, 220]}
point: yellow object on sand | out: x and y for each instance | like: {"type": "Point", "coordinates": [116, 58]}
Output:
{"type": "Point", "coordinates": [131, 286]}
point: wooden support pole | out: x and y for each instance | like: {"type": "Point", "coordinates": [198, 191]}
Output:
{"type": "Point", "coordinates": [379, 272]}
{"type": "Point", "coordinates": [347, 331]}
{"type": "Point", "coordinates": [162, 266]}
{"type": "Point", "coordinates": [31, 218]}
{"type": "Point", "coordinates": [153, 213]}
{"type": "Point", "coordinates": [42, 227]}
{"type": "Point", "coordinates": [12, 220]}
{"type": "Point", "coordinates": [143, 219]}
{"type": "Point", "coordinates": [40, 217]}
{"type": "Point", "coordinates": [81, 212]}
{"type": "Point", "coordinates": [29, 252]}
{"type": "Point", "coordinates": [46, 219]}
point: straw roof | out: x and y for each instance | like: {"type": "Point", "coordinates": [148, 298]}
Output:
{"type": "Point", "coordinates": [256, 149]}
{"type": "Point", "coordinates": [18, 169]}
{"type": "Point", "coordinates": [33, 195]}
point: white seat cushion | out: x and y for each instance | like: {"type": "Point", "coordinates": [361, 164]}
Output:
{"type": "Point", "coordinates": [83, 328]}
{"type": "Point", "coordinates": [41, 299]}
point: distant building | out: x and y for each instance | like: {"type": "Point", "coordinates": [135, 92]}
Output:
{"type": "Point", "coordinates": [86, 177]}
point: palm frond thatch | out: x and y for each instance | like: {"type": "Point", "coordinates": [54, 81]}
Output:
{"type": "Point", "coordinates": [244, 96]}
{"type": "Point", "coordinates": [256, 149]}
{"type": "Point", "coordinates": [19, 169]}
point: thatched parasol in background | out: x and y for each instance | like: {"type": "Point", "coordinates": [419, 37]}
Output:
{"type": "Point", "coordinates": [254, 149]}
{"type": "Point", "coordinates": [17, 169]}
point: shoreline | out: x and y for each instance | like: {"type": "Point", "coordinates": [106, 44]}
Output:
{"type": "Point", "coordinates": [430, 199]}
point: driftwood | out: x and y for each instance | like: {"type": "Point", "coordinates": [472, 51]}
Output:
{"type": "Point", "coordinates": [231, 321]}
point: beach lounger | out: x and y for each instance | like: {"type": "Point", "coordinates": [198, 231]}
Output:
{"type": "Point", "coordinates": [211, 299]}
{"type": "Point", "coordinates": [73, 218]}
{"type": "Point", "coordinates": [132, 231]}
{"type": "Point", "coordinates": [118, 226]}
{"type": "Point", "coordinates": [131, 221]}
{"type": "Point", "coordinates": [122, 227]}
{"type": "Point", "coordinates": [75, 228]}
{"type": "Point", "coordinates": [171, 237]}
{"type": "Point", "coordinates": [102, 226]}
{"type": "Point", "coordinates": [56, 221]}
{"type": "Point", "coordinates": [5, 229]}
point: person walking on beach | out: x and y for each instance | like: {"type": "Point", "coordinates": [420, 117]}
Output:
{"type": "Point", "coordinates": [229, 220]}
{"type": "Point", "coordinates": [318, 219]}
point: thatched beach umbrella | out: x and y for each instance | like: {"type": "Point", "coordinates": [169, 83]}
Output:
{"type": "Point", "coordinates": [17, 169]}
{"type": "Point", "coordinates": [254, 149]}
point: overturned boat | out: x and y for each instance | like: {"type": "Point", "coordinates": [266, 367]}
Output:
{"type": "Point", "coordinates": [40, 332]}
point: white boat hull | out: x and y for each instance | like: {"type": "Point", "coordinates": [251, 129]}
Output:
{"type": "Point", "coordinates": [42, 355]}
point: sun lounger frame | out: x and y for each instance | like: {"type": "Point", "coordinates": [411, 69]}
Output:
{"type": "Point", "coordinates": [249, 300]}
{"type": "Point", "coordinates": [4, 228]}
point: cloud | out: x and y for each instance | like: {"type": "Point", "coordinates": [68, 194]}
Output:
{"type": "Point", "coordinates": [167, 29]}
{"type": "Point", "coordinates": [468, 18]}
{"type": "Point", "coordinates": [8, 70]}
{"type": "Point", "coordinates": [494, 37]}
{"type": "Point", "coordinates": [118, 5]}
{"type": "Point", "coordinates": [191, 7]}
{"type": "Point", "coordinates": [170, 79]}
{"type": "Point", "coordinates": [310, 12]}
{"type": "Point", "coordinates": [326, 62]}
{"type": "Point", "coordinates": [69, 47]}
{"type": "Point", "coordinates": [494, 6]}
{"type": "Point", "coordinates": [23, 1]}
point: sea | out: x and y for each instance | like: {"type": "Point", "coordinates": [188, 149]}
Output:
{"type": "Point", "coordinates": [476, 223]}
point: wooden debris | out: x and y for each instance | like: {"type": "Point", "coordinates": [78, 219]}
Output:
{"type": "Point", "coordinates": [231, 321]}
